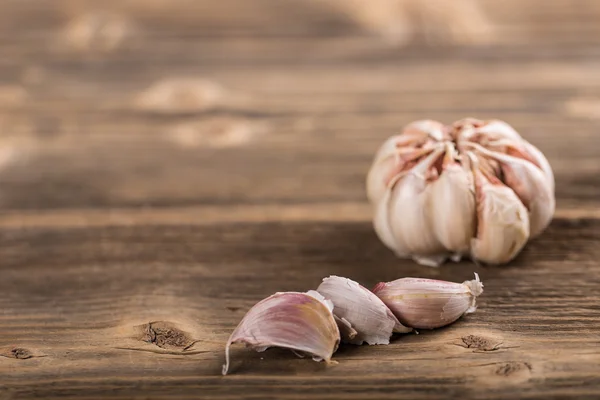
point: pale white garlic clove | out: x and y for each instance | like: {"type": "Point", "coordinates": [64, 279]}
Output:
{"type": "Point", "coordinates": [525, 151]}
{"type": "Point", "coordinates": [398, 153]}
{"type": "Point", "coordinates": [385, 163]}
{"type": "Point", "coordinates": [541, 161]}
{"type": "Point", "coordinates": [531, 186]}
{"type": "Point", "coordinates": [429, 303]}
{"type": "Point", "coordinates": [301, 322]}
{"type": "Point", "coordinates": [452, 205]}
{"type": "Point", "coordinates": [383, 228]}
{"type": "Point", "coordinates": [410, 214]}
{"type": "Point", "coordinates": [371, 320]}
{"type": "Point", "coordinates": [405, 185]}
{"type": "Point", "coordinates": [388, 167]}
{"type": "Point", "coordinates": [502, 220]}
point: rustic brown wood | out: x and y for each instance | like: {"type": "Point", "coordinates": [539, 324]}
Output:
{"type": "Point", "coordinates": [136, 232]}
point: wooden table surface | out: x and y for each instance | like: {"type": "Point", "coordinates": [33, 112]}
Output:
{"type": "Point", "coordinates": [166, 165]}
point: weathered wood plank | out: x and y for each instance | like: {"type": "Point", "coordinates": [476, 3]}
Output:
{"type": "Point", "coordinates": [82, 140]}
{"type": "Point", "coordinates": [94, 289]}
{"type": "Point", "coordinates": [141, 218]}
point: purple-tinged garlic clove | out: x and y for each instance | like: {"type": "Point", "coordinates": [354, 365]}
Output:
{"type": "Point", "coordinates": [372, 320]}
{"type": "Point", "coordinates": [301, 322]}
{"type": "Point", "coordinates": [429, 303]}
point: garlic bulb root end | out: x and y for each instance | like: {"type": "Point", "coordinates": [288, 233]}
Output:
{"type": "Point", "coordinates": [475, 285]}
{"type": "Point", "coordinates": [430, 261]}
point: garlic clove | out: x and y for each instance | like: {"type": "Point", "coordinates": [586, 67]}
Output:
{"type": "Point", "coordinates": [496, 129]}
{"type": "Point", "coordinates": [429, 303]}
{"type": "Point", "coordinates": [400, 152]}
{"type": "Point", "coordinates": [531, 186]}
{"type": "Point", "coordinates": [386, 160]}
{"type": "Point", "coordinates": [388, 167]}
{"type": "Point", "coordinates": [541, 161]}
{"type": "Point", "coordinates": [482, 132]}
{"type": "Point", "coordinates": [410, 214]}
{"type": "Point", "coordinates": [433, 129]}
{"type": "Point", "coordinates": [382, 221]}
{"type": "Point", "coordinates": [373, 322]}
{"type": "Point", "coordinates": [503, 221]}
{"type": "Point", "coordinates": [452, 207]}
{"type": "Point", "coordinates": [525, 151]}
{"type": "Point", "coordinates": [383, 229]}
{"type": "Point", "coordinates": [415, 135]}
{"type": "Point", "coordinates": [302, 322]}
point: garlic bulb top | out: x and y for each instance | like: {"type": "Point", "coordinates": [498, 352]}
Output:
{"type": "Point", "coordinates": [475, 188]}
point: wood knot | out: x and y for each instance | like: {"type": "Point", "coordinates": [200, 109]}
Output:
{"type": "Point", "coordinates": [480, 343]}
{"type": "Point", "coordinates": [501, 373]}
{"type": "Point", "coordinates": [21, 353]}
{"type": "Point", "coordinates": [513, 368]}
{"type": "Point", "coordinates": [164, 335]}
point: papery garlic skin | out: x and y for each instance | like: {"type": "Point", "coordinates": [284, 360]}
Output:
{"type": "Point", "coordinates": [301, 322]}
{"type": "Point", "coordinates": [422, 186]}
{"type": "Point", "coordinates": [368, 316]}
{"type": "Point", "coordinates": [429, 303]}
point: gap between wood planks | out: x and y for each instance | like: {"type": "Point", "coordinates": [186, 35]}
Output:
{"type": "Point", "coordinates": [206, 215]}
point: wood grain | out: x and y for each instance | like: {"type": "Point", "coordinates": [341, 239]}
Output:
{"type": "Point", "coordinates": [160, 176]}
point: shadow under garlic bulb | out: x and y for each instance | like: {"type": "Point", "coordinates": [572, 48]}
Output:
{"type": "Point", "coordinates": [472, 189]}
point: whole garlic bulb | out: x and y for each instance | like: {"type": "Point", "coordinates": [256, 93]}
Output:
{"type": "Point", "coordinates": [472, 189]}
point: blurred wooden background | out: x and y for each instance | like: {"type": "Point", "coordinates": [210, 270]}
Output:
{"type": "Point", "coordinates": [165, 164]}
